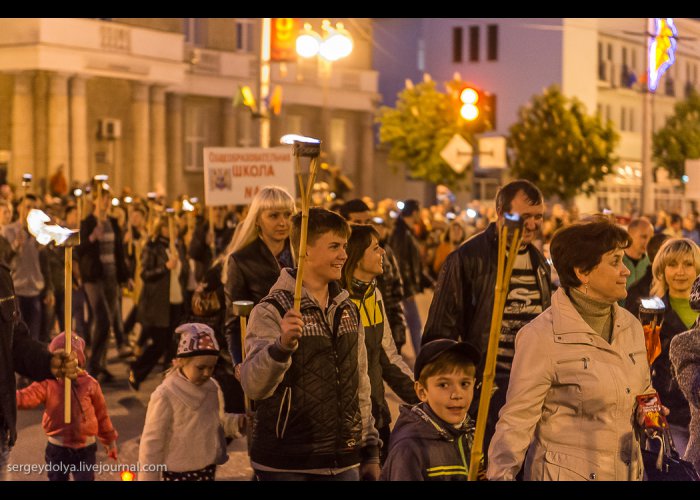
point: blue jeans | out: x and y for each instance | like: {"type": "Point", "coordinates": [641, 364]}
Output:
{"type": "Point", "coordinates": [415, 326]}
{"type": "Point", "coordinates": [349, 475]}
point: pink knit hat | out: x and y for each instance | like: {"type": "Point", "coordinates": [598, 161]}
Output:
{"type": "Point", "coordinates": [77, 345]}
{"type": "Point", "coordinates": [196, 339]}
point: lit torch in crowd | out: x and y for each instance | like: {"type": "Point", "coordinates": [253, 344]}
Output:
{"type": "Point", "coordinates": [510, 233]}
{"type": "Point", "coordinates": [66, 238]}
{"type": "Point", "coordinates": [303, 147]}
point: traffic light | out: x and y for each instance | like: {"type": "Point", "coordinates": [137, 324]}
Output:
{"type": "Point", "coordinates": [475, 105]}
{"type": "Point", "coordinates": [470, 97]}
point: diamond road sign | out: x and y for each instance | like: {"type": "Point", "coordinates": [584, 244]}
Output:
{"type": "Point", "coordinates": [457, 153]}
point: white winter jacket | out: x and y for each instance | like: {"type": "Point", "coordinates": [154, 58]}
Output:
{"type": "Point", "coordinates": [571, 400]}
{"type": "Point", "coordinates": [182, 427]}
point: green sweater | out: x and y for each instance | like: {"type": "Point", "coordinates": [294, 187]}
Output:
{"type": "Point", "coordinates": [683, 310]}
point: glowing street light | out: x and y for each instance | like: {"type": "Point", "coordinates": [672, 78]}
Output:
{"type": "Point", "coordinates": [308, 42]}
{"type": "Point", "coordinates": [336, 42]}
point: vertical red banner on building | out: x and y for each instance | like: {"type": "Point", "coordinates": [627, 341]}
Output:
{"type": "Point", "coordinates": [283, 38]}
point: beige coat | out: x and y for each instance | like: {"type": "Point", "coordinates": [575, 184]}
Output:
{"type": "Point", "coordinates": [571, 400]}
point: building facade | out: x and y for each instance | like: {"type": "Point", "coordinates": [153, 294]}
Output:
{"type": "Point", "coordinates": [598, 61]}
{"type": "Point", "coordinates": [138, 99]}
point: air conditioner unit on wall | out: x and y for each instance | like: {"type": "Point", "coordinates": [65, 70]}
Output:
{"type": "Point", "coordinates": [110, 128]}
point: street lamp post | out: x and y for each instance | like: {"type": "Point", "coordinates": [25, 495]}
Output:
{"type": "Point", "coordinates": [333, 44]}
{"type": "Point", "coordinates": [265, 82]}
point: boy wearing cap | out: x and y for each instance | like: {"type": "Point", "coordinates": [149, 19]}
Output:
{"type": "Point", "coordinates": [72, 445]}
{"type": "Point", "coordinates": [432, 440]}
{"type": "Point", "coordinates": [307, 372]}
{"type": "Point", "coordinates": [185, 421]}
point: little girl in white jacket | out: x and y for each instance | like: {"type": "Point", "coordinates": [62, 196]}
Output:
{"type": "Point", "coordinates": [185, 426]}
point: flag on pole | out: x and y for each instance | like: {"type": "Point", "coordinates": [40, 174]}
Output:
{"type": "Point", "coordinates": [275, 100]}
{"type": "Point", "coordinates": [244, 97]}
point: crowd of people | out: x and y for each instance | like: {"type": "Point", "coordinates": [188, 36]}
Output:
{"type": "Point", "coordinates": [306, 383]}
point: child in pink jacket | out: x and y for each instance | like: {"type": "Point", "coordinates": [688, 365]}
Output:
{"type": "Point", "coordinates": [72, 447]}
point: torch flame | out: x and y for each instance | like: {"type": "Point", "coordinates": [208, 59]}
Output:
{"type": "Point", "coordinates": [292, 138]}
{"type": "Point", "coordinates": [44, 233]}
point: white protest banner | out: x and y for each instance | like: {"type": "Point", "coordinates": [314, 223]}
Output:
{"type": "Point", "coordinates": [232, 176]}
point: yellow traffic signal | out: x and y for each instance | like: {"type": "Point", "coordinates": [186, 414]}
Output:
{"type": "Point", "coordinates": [469, 109]}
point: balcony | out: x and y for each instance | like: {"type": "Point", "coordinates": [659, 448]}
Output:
{"type": "Point", "coordinates": [214, 72]}
{"type": "Point", "coordinates": [90, 47]}
{"type": "Point", "coordinates": [341, 88]}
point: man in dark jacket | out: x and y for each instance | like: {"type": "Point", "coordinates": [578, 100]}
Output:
{"type": "Point", "coordinates": [19, 352]}
{"type": "Point", "coordinates": [462, 305]}
{"type": "Point", "coordinates": [104, 271]}
{"type": "Point", "coordinates": [407, 252]}
{"type": "Point", "coordinates": [389, 282]}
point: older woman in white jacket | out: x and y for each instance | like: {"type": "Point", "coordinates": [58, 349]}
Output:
{"type": "Point", "coordinates": [578, 368]}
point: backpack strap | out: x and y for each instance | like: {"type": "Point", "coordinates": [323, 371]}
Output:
{"type": "Point", "coordinates": [280, 308]}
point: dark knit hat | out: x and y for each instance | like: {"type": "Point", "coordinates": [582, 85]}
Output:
{"type": "Point", "coordinates": [435, 348]}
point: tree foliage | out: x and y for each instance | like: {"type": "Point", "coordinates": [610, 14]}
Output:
{"type": "Point", "coordinates": [419, 127]}
{"type": "Point", "coordinates": [679, 139]}
{"type": "Point", "coordinates": [559, 147]}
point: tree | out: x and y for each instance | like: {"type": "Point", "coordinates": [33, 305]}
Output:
{"type": "Point", "coordinates": [559, 147]}
{"type": "Point", "coordinates": [419, 127]}
{"type": "Point", "coordinates": [679, 139]}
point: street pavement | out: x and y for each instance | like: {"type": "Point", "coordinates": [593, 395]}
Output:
{"type": "Point", "coordinates": [127, 409]}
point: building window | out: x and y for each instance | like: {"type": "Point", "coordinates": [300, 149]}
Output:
{"type": "Point", "coordinates": [194, 31]}
{"type": "Point", "coordinates": [245, 28]}
{"type": "Point", "coordinates": [474, 43]}
{"type": "Point", "coordinates": [420, 56]}
{"type": "Point", "coordinates": [623, 118]}
{"type": "Point", "coordinates": [196, 132]}
{"type": "Point", "coordinates": [456, 45]}
{"type": "Point", "coordinates": [601, 64]}
{"type": "Point", "coordinates": [631, 127]}
{"type": "Point", "coordinates": [492, 42]}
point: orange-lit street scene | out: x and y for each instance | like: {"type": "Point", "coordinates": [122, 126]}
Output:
{"type": "Point", "coordinates": [349, 249]}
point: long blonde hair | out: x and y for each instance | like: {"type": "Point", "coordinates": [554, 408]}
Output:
{"type": "Point", "coordinates": [672, 249]}
{"type": "Point", "coordinates": [268, 198]}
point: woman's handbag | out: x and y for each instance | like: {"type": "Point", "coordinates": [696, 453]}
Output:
{"type": "Point", "coordinates": [663, 463]}
{"type": "Point", "coordinates": [205, 303]}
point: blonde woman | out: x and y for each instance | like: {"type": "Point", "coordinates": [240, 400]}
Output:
{"type": "Point", "coordinates": [674, 269]}
{"type": "Point", "coordinates": [258, 251]}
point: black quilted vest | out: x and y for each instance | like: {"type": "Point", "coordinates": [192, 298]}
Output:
{"type": "Point", "coordinates": [313, 418]}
